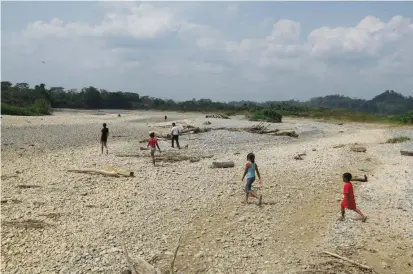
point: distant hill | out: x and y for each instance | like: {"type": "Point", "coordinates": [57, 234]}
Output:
{"type": "Point", "coordinates": [389, 102]}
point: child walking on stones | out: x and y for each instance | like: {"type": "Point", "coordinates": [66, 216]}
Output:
{"type": "Point", "coordinates": [104, 138]}
{"type": "Point", "coordinates": [250, 169]}
{"type": "Point", "coordinates": [348, 201]}
{"type": "Point", "coordinates": [153, 144]}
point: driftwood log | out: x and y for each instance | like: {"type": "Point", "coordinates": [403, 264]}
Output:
{"type": "Point", "coordinates": [106, 171]}
{"type": "Point", "coordinates": [339, 146]}
{"type": "Point", "coordinates": [219, 116]}
{"type": "Point", "coordinates": [406, 153]}
{"type": "Point", "coordinates": [360, 178]}
{"type": "Point", "coordinates": [170, 157]}
{"type": "Point", "coordinates": [119, 171]}
{"type": "Point", "coordinates": [226, 164]}
{"type": "Point", "coordinates": [365, 267]}
{"type": "Point", "coordinates": [260, 128]}
{"type": "Point", "coordinates": [95, 171]}
{"type": "Point", "coordinates": [299, 156]}
{"type": "Point", "coordinates": [358, 149]}
{"type": "Point", "coordinates": [290, 133]}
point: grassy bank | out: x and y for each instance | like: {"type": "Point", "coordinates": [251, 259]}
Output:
{"type": "Point", "coordinates": [40, 107]}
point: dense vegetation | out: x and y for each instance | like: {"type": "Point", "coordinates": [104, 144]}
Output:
{"type": "Point", "coordinates": [21, 99]}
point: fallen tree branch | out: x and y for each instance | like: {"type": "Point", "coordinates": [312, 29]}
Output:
{"type": "Point", "coordinates": [348, 260]}
{"type": "Point", "coordinates": [178, 244]}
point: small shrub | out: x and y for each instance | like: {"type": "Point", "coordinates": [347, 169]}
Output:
{"type": "Point", "coordinates": [403, 118]}
{"type": "Point", "coordinates": [230, 113]}
{"type": "Point", "coordinates": [19, 111]}
{"type": "Point", "coordinates": [42, 106]}
{"type": "Point", "coordinates": [267, 115]}
{"type": "Point", "coordinates": [400, 139]}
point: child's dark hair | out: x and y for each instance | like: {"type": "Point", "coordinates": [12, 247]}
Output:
{"type": "Point", "coordinates": [152, 134]}
{"type": "Point", "coordinates": [104, 124]}
{"type": "Point", "coordinates": [173, 124]}
{"type": "Point", "coordinates": [347, 177]}
{"type": "Point", "coordinates": [251, 157]}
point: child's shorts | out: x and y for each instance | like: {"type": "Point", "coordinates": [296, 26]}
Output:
{"type": "Point", "coordinates": [248, 185]}
{"type": "Point", "coordinates": [153, 149]}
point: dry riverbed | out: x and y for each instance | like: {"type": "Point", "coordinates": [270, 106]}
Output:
{"type": "Point", "coordinates": [54, 221]}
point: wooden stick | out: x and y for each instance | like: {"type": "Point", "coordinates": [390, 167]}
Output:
{"type": "Point", "coordinates": [106, 173]}
{"type": "Point", "coordinates": [348, 260]}
{"type": "Point", "coordinates": [175, 253]}
{"type": "Point", "coordinates": [129, 260]}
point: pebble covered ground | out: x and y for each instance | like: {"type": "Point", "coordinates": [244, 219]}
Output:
{"type": "Point", "coordinates": [54, 221]}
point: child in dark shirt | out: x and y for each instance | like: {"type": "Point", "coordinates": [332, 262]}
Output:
{"type": "Point", "coordinates": [104, 138]}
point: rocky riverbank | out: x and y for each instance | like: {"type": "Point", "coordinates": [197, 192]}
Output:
{"type": "Point", "coordinates": [59, 222]}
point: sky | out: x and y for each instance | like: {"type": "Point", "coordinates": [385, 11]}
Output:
{"type": "Point", "coordinates": [223, 51]}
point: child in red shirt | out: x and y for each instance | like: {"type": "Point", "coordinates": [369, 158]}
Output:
{"type": "Point", "coordinates": [348, 198]}
{"type": "Point", "coordinates": [152, 144]}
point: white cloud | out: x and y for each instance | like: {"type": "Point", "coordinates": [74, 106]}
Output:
{"type": "Point", "coordinates": [371, 48]}
{"type": "Point", "coordinates": [285, 31]}
{"type": "Point", "coordinates": [138, 21]}
{"type": "Point", "coordinates": [369, 36]}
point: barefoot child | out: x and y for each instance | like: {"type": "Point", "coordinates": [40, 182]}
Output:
{"type": "Point", "coordinates": [175, 135]}
{"type": "Point", "coordinates": [104, 138]}
{"type": "Point", "coordinates": [250, 169]}
{"type": "Point", "coordinates": [348, 198]}
{"type": "Point", "coordinates": [152, 144]}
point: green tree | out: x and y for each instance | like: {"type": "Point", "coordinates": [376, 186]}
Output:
{"type": "Point", "coordinates": [92, 97]}
{"type": "Point", "coordinates": [42, 106]}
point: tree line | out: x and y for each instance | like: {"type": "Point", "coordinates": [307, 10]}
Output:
{"type": "Point", "coordinates": [41, 99]}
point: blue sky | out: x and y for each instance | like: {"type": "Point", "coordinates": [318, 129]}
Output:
{"type": "Point", "coordinates": [219, 50]}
